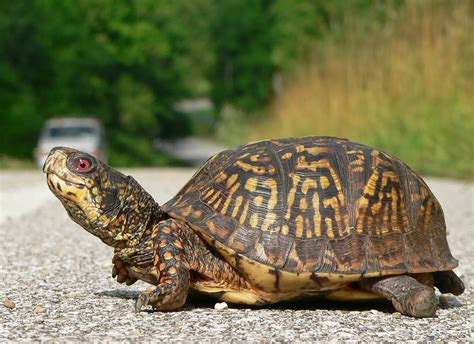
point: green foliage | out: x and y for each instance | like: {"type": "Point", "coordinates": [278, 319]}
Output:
{"type": "Point", "coordinates": [301, 25]}
{"type": "Point", "coordinates": [135, 150]}
{"type": "Point", "coordinates": [242, 40]}
{"type": "Point", "coordinates": [9, 163]}
{"type": "Point", "coordinates": [229, 128]}
{"type": "Point", "coordinates": [117, 60]}
{"type": "Point", "coordinates": [402, 82]}
{"type": "Point", "coordinates": [136, 105]}
{"type": "Point", "coordinates": [436, 139]}
{"type": "Point", "coordinates": [319, 67]}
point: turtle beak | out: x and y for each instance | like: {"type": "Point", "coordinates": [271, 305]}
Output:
{"type": "Point", "coordinates": [56, 163]}
{"type": "Point", "coordinates": [48, 164]}
{"type": "Point", "coordinates": [57, 157]}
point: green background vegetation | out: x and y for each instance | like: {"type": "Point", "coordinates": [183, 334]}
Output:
{"type": "Point", "coordinates": [395, 74]}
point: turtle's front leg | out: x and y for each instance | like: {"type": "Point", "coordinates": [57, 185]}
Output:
{"type": "Point", "coordinates": [120, 271]}
{"type": "Point", "coordinates": [169, 265]}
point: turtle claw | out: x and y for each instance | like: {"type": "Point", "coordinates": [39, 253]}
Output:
{"type": "Point", "coordinates": [114, 272]}
{"type": "Point", "coordinates": [141, 302]}
{"type": "Point", "coordinates": [130, 280]}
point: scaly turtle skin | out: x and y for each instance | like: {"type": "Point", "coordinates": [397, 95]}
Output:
{"type": "Point", "coordinates": [270, 221]}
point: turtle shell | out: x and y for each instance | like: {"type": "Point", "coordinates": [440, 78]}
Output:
{"type": "Point", "coordinates": [321, 207]}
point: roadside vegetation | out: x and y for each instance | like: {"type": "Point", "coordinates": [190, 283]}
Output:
{"type": "Point", "coordinates": [405, 85]}
{"type": "Point", "coordinates": [397, 74]}
{"type": "Point", "coordinates": [10, 163]}
{"type": "Point", "coordinates": [133, 150]}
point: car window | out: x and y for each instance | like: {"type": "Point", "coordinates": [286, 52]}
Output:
{"type": "Point", "coordinates": [71, 131]}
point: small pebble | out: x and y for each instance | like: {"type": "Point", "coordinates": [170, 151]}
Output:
{"type": "Point", "coordinates": [397, 315]}
{"type": "Point", "coordinates": [455, 316]}
{"type": "Point", "coordinates": [134, 332]}
{"type": "Point", "coordinates": [220, 306]}
{"type": "Point", "coordinates": [39, 309]}
{"type": "Point", "coordinates": [374, 311]}
{"type": "Point", "coordinates": [9, 304]}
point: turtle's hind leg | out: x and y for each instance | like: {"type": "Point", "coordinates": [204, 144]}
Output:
{"type": "Point", "coordinates": [408, 296]}
{"type": "Point", "coordinates": [448, 282]}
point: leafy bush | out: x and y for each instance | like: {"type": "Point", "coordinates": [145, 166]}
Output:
{"type": "Point", "coordinates": [130, 150]}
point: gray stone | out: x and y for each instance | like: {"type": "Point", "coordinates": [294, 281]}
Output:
{"type": "Point", "coordinates": [221, 306]}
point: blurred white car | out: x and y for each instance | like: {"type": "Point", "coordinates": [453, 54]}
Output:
{"type": "Point", "coordinates": [82, 133]}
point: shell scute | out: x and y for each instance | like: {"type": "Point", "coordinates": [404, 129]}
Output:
{"type": "Point", "coordinates": [315, 205]}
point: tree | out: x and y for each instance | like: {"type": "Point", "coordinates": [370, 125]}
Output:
{"type": "Point", "coordinates": [242, 41]}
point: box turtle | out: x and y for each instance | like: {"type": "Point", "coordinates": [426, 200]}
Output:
{"type": "Point", "coordinates": [270, 221]}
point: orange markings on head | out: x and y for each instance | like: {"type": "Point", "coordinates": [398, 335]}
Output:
{"type": "Point", "coordinates": [178, 244]}
{"type": "Point", "coordinates": [166, 229]}
{"type": "Point", "coordinates": [163, 243]}
{"type": "Point", "coordinates": [171, 270]}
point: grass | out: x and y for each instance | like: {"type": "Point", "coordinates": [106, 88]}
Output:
{"type": "Point", "coordinates": [406, 87]}
{"type": "Point", "coordinates": [10, 163]}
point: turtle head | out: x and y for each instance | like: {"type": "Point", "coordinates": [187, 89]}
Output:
{"type": "Point", "coordinates": [105, 202]}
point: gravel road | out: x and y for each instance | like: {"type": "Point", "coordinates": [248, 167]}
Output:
{"type": "Point", "coordinates": [59, 278]}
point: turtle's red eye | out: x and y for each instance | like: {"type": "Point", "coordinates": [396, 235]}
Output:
{"type": "Point", "coordinates": [82, 164]}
